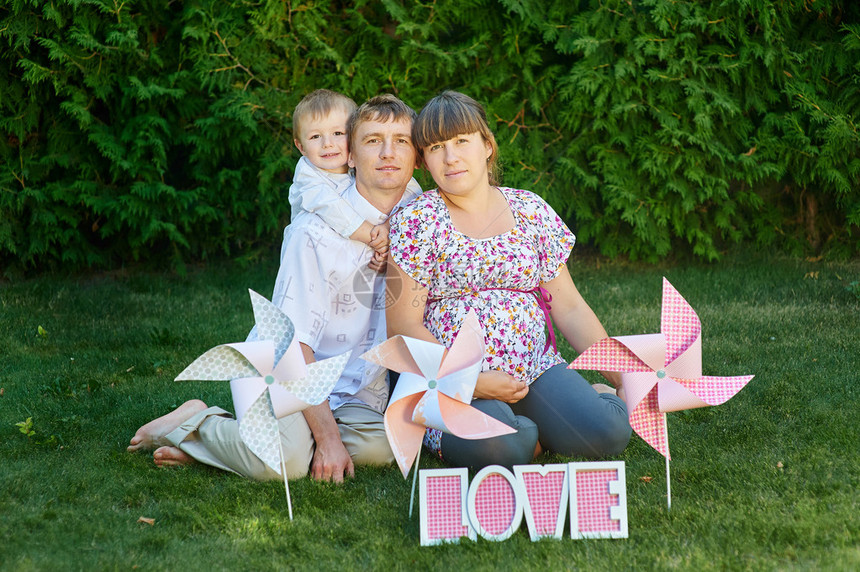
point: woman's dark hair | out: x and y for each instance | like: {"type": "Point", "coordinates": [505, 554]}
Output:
{"type": "Point", "coordinates": [452, 113]}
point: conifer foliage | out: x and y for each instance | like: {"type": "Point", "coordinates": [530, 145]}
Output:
{"type": "Point", "coordinates": [146, 130]}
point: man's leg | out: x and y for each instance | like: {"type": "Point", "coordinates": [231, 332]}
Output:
{"type": "Point", "coordinates": [362, 431]}
{"type": "Point", "coordinates": [212, 437]}
{"type": "Point", "coordinates": [152, 435]}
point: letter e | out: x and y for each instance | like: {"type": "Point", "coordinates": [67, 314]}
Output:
{"type": "Point", "coordinates": [598, 500]}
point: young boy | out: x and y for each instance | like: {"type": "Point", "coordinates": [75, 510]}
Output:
{"type": "Point", "coordinates": [322, 174]}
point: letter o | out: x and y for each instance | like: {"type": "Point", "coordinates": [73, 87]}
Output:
{"type": "Point", "coordinates": [495, 503]}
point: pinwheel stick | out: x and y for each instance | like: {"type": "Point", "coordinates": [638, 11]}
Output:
{"type": "Point", "coordinates": [668, 487]}
{"type": "Point", "coordinates": [414, 481]}
{"type": "Point", "coordinates": [286, 480]}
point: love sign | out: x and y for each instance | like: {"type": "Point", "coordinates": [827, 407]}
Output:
{"type": "Point", "coordinates": [496, 501]}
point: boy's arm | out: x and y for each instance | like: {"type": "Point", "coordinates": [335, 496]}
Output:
{"type": "Point", "coordinates": [364, 233]}
{"type": "Point", "coordinates": [379, 237]}
{"type": "Point", "coordinates": [313, 192]}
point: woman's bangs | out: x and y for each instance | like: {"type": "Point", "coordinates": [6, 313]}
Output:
{"type": "Point", "coordinates": [443, 123]}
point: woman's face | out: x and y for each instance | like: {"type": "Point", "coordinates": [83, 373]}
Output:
{"type": "Point", "coordinates": [459, 165]}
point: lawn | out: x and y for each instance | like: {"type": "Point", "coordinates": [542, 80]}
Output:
{"type": "Point", "coordinates": [769, 480]}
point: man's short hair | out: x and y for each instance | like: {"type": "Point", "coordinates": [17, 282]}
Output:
{"type": "Point", "coordinates": [385, 108]}
{"type": "Point", "coordinates": [316, 105]}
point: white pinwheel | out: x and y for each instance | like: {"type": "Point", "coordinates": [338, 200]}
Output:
{"type": "Point", "coordinates": [269, 379]}
{"type": "Point", "coordinates": [434, 390]}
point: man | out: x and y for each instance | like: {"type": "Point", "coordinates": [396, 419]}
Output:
{"type": "Point", "coordinates": [337, 307]}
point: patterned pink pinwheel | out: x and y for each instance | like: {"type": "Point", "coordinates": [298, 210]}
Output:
{"type": "Point", "coordinates": [434, 390]}
{"type": "Point", "coordinates": [661, 372]}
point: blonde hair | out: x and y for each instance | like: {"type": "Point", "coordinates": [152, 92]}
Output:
{"type": "Point", "coordinates": [452, 113]}
{"type": "Point", "coordinates": [385, 107]}
{"type": "Point", "coordinates": [317, 104]}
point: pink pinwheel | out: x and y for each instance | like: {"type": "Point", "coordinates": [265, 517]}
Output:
{"type": "Point", "coordinates": [661, 372]}
{"type": "Point", "coordinates": [434, 390]}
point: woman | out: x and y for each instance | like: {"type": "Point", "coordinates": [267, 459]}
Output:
{"type": "Point", "coordinates": [502, 252]}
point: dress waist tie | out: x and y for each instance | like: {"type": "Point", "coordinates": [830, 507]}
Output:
{"type": "Point", "coordinates": [543, 299]}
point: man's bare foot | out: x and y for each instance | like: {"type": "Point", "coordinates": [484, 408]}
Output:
{"type": "Point", "coordinates": [171, 457]}
{"type": "Point", "coordinates": [151, 435]}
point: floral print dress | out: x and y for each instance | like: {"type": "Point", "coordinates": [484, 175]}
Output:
{"type": "Point", "coordinates": [493, 276]}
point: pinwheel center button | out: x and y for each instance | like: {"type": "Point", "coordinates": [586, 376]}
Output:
{"type": "Point", "coordinates": [661, 374]}
{"type": "Point", "coordinates": [269, 379]}
{"type": "Point", "coordinates": [431, 384]}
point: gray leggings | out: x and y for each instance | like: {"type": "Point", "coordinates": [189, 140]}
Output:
{"type": "Point", "coordinates": [561, 410]}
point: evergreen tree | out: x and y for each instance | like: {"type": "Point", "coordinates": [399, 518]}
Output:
{"type": "Point", "coordinates": [152, 131]}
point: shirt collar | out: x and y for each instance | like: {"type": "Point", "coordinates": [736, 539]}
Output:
{"type": "Point", "coordinates": [363, 207]}
{"type": "Point", "coordinates": [338, 178]}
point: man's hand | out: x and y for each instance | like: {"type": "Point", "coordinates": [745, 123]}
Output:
{"type": "Point", "coordinates": [494, 384]}
{"type": "Point", "coordinates": [331, 462]}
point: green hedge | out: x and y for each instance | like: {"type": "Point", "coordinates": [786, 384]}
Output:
{"type": "Point", "coordinates": [160, 131]}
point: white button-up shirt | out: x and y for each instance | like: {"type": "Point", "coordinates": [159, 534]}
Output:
{"type": "Point", "coordinates": [335, 301]}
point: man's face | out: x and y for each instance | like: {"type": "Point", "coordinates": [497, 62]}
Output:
{"type": "Point", "coordinates": [383, 155]}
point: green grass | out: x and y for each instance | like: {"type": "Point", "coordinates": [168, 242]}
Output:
{"type": "Point", "coordinates": [768, 480]}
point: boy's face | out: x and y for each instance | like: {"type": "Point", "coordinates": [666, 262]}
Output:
{"type": "Point", "coordinates": [322, 140]}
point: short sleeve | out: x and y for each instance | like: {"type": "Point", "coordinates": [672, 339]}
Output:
{"type": "Point", "coordinates": [554, 239]}
{"type": "Point", "coordinates": [413, 238]}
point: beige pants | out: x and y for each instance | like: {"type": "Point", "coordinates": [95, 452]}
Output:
{"type": "Point", "coordinates": [212, 437]}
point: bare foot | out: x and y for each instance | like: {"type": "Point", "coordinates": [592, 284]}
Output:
{"type": "Point", "coordinates": [603, 388]}
{"type": "Point", "coordinates": [171, 457]}
{"type": "Point", "coordinates": [151, 435]}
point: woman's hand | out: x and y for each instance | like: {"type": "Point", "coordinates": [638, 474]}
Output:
{"type": "Point", "coordinates": [495, 384]}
